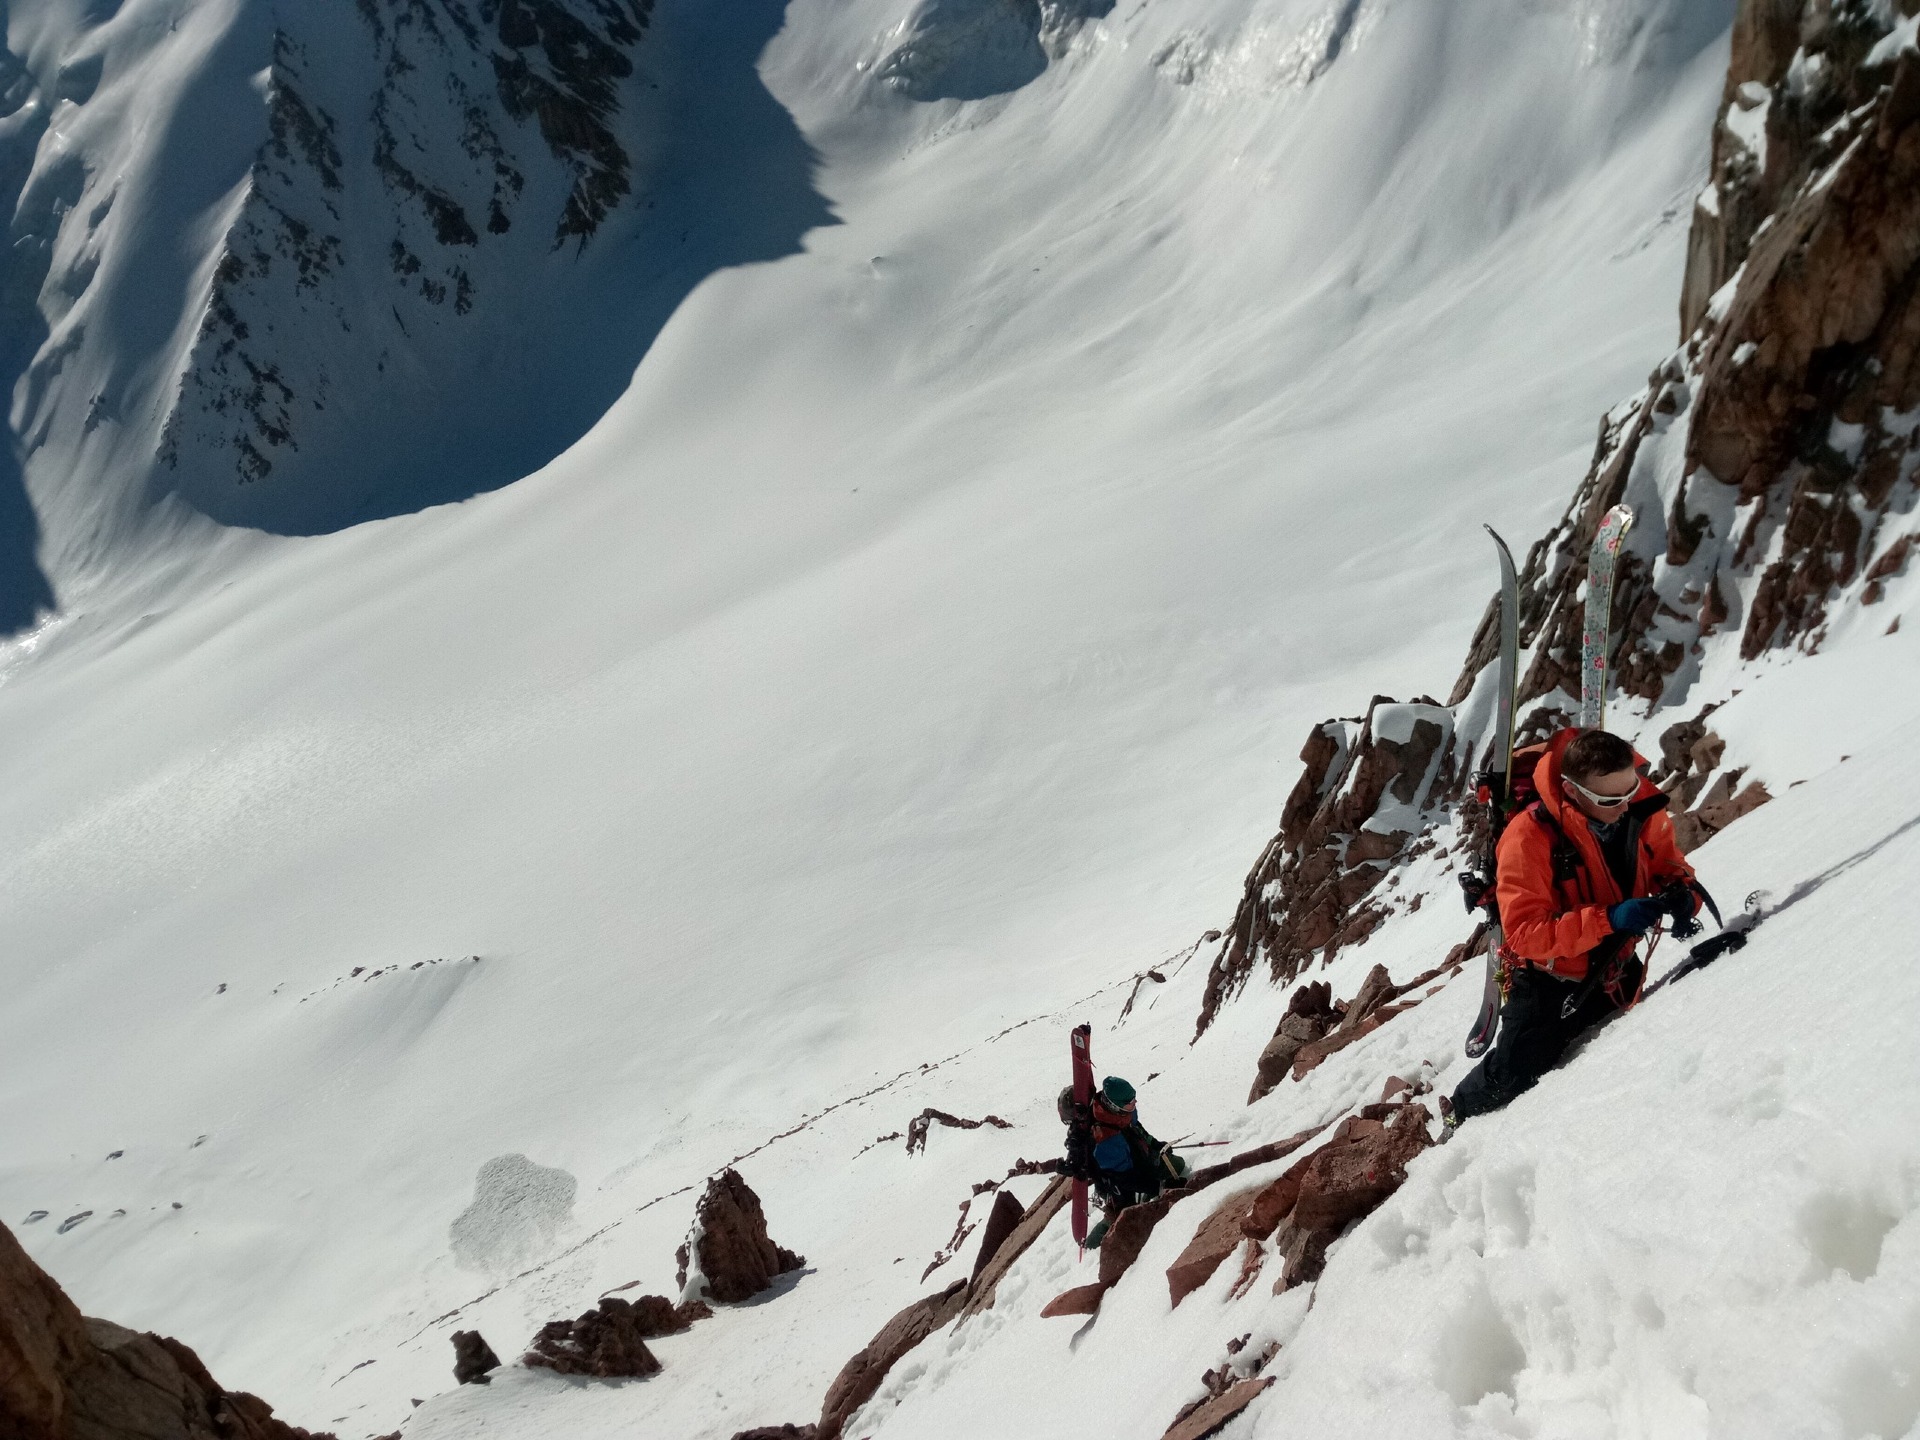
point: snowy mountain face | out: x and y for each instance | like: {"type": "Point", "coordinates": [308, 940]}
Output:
{"type": "Point", "coordinates": [1009, 425]}
{"type": "Point", "coordinates": [296, 266]}
{"type": "Point", "coordinates": [421, 170]}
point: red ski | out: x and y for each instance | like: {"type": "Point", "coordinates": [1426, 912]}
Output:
{"type": "Point", "coordinates": [1082, 1103]}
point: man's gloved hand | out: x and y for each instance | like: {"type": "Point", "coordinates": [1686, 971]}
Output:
{"type": "Point", "coordinates": [1635, 917]}
{"type": "Point", "coordinates": [1677, 900]}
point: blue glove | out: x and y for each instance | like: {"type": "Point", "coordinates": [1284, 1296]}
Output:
{"type": "Point", "coordinates": [1635, 917]}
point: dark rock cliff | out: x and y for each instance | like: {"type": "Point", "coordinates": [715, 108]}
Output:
{"type": "Point", "coordinates": [422, 157]}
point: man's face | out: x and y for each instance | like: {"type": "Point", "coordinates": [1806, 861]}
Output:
{"type": "Point", "coordinates": [1602, 797]}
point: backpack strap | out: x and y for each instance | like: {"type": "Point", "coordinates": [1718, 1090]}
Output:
{"type": "Point", "coordinates": [1565, 859]}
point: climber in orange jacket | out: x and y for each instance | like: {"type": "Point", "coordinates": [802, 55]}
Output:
{"type": "Point", "coordinates": [1582, 875]}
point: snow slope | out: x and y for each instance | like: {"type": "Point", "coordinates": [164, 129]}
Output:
{"type": "Point", "coordinates": [1705, 1224]}
{"type": "Point", "coordinates": [900, 658]}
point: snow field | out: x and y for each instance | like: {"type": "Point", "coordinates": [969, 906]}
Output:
{"type": "Point", "coordinates": [921, 642]}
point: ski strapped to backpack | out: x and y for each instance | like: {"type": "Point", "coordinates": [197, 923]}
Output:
{"type": "Point", "coordinates": [1080, 1129]}
{"type": "Point", "coordinates": [1494, 786]}
{"type": "Point", "coordinates": [1602, 560]}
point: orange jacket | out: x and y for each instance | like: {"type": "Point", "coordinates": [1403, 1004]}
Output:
{"type": "Point", "coordinates": [1556, 924]}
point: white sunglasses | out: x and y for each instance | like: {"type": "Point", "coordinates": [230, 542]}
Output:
{"type": "Point", "coordinates": [1605, 802]}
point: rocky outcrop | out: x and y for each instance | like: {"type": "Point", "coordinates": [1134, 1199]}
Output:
{"type": "Point", "coordinates": [1247, 1159]}
{"type": "Point", "coordinates": [918, 1127]}
{"type": "Point", "coordinates": [1766, 457]}
{"type": "Point", "coordinates": [1210, 1416]}
{"type": "Point", "coordinates": [43, 1342]}
{"type": "Point", "coordinates": [1316, 1026]}
{"type": "Point", "coordinates": [609, 1342]}
{"type": "Point", "coordinates": [1304, 1209]}
{"type": "Point", "coordinates": [63, 1377]}
{"type": "Point", "coordinates": [659, 1316]}
{"type": "Point", "coordinates": [1134, 1226]}
{"type": "Point", "coordinates": [1344, 1180]}
{"type": "Point", "coordinates": [1311, 1013]}
{"type": "Point", "coordinates": [473, 1358]}
{"type": "Point", "coordinates": [860, 1377]}
{"type": "Point", "coordinates": [1219, 1235]}
{"type": "Point", "coordinates": [1080, 1300]}
{"type": "Point", "coordinates": [729, 1257]}
{"type": "Point", "coordinates": [1010, 1232]}
{"type": "Point", "coordinates": [1035, 1219]}
{"type": "Point", "coordinates": [1002, 1221]}
{"type": "Point", "coordinates": [1365, 800]}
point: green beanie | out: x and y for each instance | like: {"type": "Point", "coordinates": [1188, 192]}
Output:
{"type": "Point", "coordinates": [1117, 1091]}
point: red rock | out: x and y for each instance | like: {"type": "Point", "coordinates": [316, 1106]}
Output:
{"type": "Point", "coordinates": [1253, 1258]}
{"type": "Point", "coordinates": [1303, 1254]}
{"type": "Point", "coordinates": [1129, 1234]}
{"type": "Point", "coordinates": [473, 1358]}
{"type": "Point", "coordinates": [1306, 895]}
{"type": "Point", "coordinates": [736, 1257]}
{"type": "Point", "coordinates": [1218, 1237]}
{"type": "Point", "coordinates": [777, 1432]}
{"type": "Point", "coordinates": [43, 1342]}
{"type": "Point", "coordinates": [67, 1378]}
{"type": "Point", "coordinates": [607, 1342]}
{"type": "Point", "coordinates": [860, 1377]}
{"type": "Point", "coordinates": [1359, 1167]}
{"type": "Point", "coordinates": [1276, 1150]}
{"type": "Point", "coordinates": [656, 1315]}
{"type": "Point", "coordinates": [1081, 1300]}
{"type": "Point", "coordinates": [1272, 1204]}
{"type": "Point", "coordinates": [1035, 1219]}
{"type": "Point", "coordinates": [1209, 1417]}
{"type": "Point", "coordinates": [1310, 1056]}
{"type": "Point", "coordinates": [1001, 1221]}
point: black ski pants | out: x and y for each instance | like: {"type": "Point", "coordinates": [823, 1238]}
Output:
{"type": "Point", "coordinates": [1533, 1036]}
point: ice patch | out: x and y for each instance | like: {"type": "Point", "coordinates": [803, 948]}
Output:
{"type": "Point", "coordinates": [518, 1207]}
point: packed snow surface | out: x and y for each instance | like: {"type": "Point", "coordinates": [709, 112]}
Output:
{"type": "Point", "coordinates": [920, 646]}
